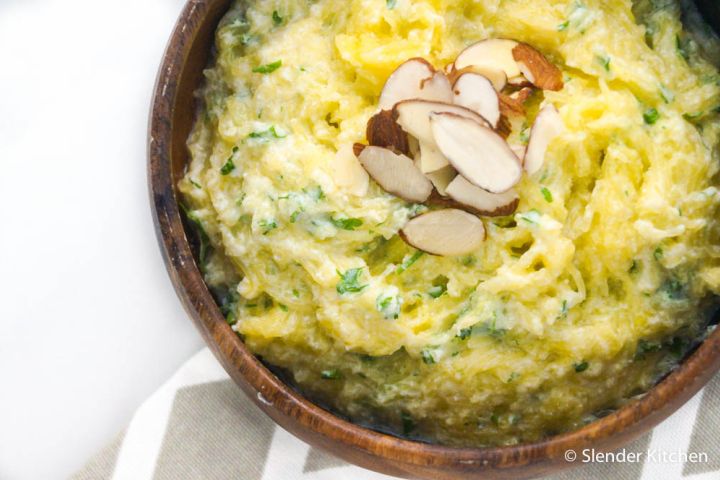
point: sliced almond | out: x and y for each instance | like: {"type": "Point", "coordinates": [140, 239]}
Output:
{"type": "Point", "coordinates": [414, 117]}
{"type": "Point", "coordinates": [383, 131]}
{"type": "Point", "coordinates": [548, 124]}
{"type": "Point", "coordinates": [520, 81]}
{"type": "Point", "coordinates": [441, 178]}
{"type": "Point", "coordinates": [347, 172]}
{"type": "Point", "coordinates": [474, 91]}
{"type": "Point", "coordinates": [447, 232]}
{"type": "Point", "coordinates": [519, 151]}
{"type": "Point", "coordinates": [396, 174]}
{"type": "Point", "coordinates": [511, 106]}
{"type": "Point", "coordinates": [497, 77]}
{"type": "Point", "coordinates": [477, 152]}
{"type": "Point", "coordinates": [405, 82]}
{"type": "Point", "coordinates": [430, 158]}
{"type": "Point", "coordinates": [357, 148]}
{"type": "Point", "coordinates": [493, 53]}
{"type": "Point", "coordinates": [480, 201]}
{"type": "Point", "coordinates": [537, 68]}
{"type": "Point", "coordinates": [504, 127]}
{"type": "Point", "coordinates": [436, 88]}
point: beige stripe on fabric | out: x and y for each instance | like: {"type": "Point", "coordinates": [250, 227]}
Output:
{"type": "Point", "coordinates": [214, 433]}
{"type": "Point", "coordinates": [102, 464]}
{"type": "Point", "coordinates": [605, 471]}
{"type": "Point", "coordinates": [704, 438]}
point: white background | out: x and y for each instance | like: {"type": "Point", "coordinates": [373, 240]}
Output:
{"type": "Point", "coordinates": [89, 323]}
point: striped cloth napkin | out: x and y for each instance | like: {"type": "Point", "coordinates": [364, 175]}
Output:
{"type": "Point", "coordinates": [199, 425]}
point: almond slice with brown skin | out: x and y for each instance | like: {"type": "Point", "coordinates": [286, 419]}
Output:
{"type": "Point", "coordinates": [493, 53]}
{"type": "Point", "coordinates": [479, 201]}
{"type": "Point", "coordinates": [537, 68]}
{"type": "Point", "coordinates": [477, 152]}
{"type": "Point", "coordinates": [497, 77]}
{"type": "Point", "coordinates": [383, 131]}
{"type": "Point", "coordinates": [413, 116]}
{"type": "Point", "coordinates": [442, 178]}
{"type": "Point", "coordinates": [447, 232]}
{"type": "Point", "coordinates": [395, 173]}
{"type": "Point", "coordinates": [405, 82]}
{"type": "Point", "coordinates": [474, 91]}
{"type": "Point", "coordinates": [548, 124]}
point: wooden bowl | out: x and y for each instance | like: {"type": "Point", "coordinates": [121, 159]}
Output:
{"type": "Point", "coordinates": [173, 110]}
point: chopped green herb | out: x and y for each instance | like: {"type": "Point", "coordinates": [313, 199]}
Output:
{"type": "Point", "coordinates": [295, 293]}
{"type": "Point", "coordinates": [350, 282]}
{"type": "Point", "coordinates": [692, 116]}
{"type": "Point", "coordinates": [672, 289]}
{"type": "Point", "coordinates": [427, 356]}
{"type": "Point", "coordinates": [667, 95]}
{"type": "Point", "coordinates": [316, 192]}
{"type": "Point", "coordinates": [266, 134]}
{"type": "Point", "coordinates": [240, 200]}
{"type": "Point", "coordinates": [513, 376]}
{"type": "Point", "coordinates": [195, 184]}
{"type": "Point", "coordinates": [564, 309]}
{"type": "Point", "coordinates": [658, 253]}
{"type": "Point", "coordinates": [267, 225]}
{"type": "Point", "coordinates": [651, 116]}
{"type": "Point", "coordinates": [495, 419]}
{"type": "Point", "coordinates": [282, 307]}
{"type": "Point", "coordinates": [437, 291]}
{"type": "Point", "coordinates": [524, 133]}
{"type": "Point", "coordinates": [464, 333]}
{"type": "Point", "coordinates": [390, 4]}
{"type": "Point", "coordinates": [294, 216]}
{"type": "Point", "coordinates": [563, 26]}
{"type": "Point", "coordinates": [408, 262]}
{"type": "Point", "coordinates": [547, 194]}
{"type": "Point", "coordinates": [346, 223]}
{"type": "Point", "coordinates": [678, 346]}
{"type": "Point", "coordinates": [533, 217]}
{"type": "Point", "coordinates": [333, 374]}
{"type": "Point", "coordinates": [408, 424]}
{"type": "Point", "coordinates": [229, 164]}
{"type": "Point", "coordinates": [276, 18]}
{"type": "Point", "coordinates": [604, 61]}
{"type": "Point", "coordinates": [468, 260]}
{"type": "Point", "coordinates": [268, 67]}
{"type": "Point", "coordinates": [581, 367]}
{"type": "Point", "coordinates": [389, 303]}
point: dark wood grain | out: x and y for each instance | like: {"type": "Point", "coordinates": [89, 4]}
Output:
{"type": "Point", "coordinates": [171, 118]}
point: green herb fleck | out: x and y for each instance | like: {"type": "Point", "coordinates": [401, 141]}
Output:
{"type": "Point", "coordinates": [266, 134]}
{"type": "Point", "coordinates": [294, 216]}
{"type": "Point", "coordinates": [672, 289]}
{"type": "Point", "coordinates": [427, 356]}
{"type": "Point", "coordinates": [282, 307]}
{"type": "Point", "coordinates": [268, 67]}
{"type": "Point", "coordinates": [658, 253]}
{"type": "Point", "coordinates": [205, 246]}
{"type": "Point", "coordinates": [333, 374]}
{"type": "Point", "coordinates": [389, 303]}
{"type": "Point", "coordinates": [195, 184]}
{"type": "Point", "coordinates": [513, 376]}
{"type": "Point", "coordinates": [692, 116]}
{"type": "Point", "coordinates": [667, 95]}
{"type": "Point", "coordinates": [682, 47]}
{"type": "Point", "coordinates": [547, 194]}
{"type": "Point", "coordinates": [390, 4]}
{"type": "Point", "coordinates": [345, 223]}
{"type": "Point", "coordinates": [408, 262]}
{"type": "Point", "coordinates": [635, 266]}
{"type": "Point", "coordinates": [229, 164]}
{"type": "Point", "coordinates": [350, 282]}
{"type": "Point", "coordinates": [316, 192]}
{"type": "Point", "coordinates": [563, 26]}
{"type": "Point", "coordinates": [533, 217]}
{"type": "Point", "coordinates": [437, 291]}
{"type": "Point", "coordinates": [464, 333]}
{"type": "Point", "coordinates": [604, 61]}
{"type": "Point", "coordinates": [296, 293]}
{"type": "Point", "coordinates": [564, 309]}
{"type": "Point", "coordinates": [267, 225]}
{"type": "Point", "coordinates": [495, 419]}
{"type": "Point", "coordinates": [651, 116]}
{"type": "Point", "coordinates": [581, 367]}
{"type": "Point", "coordinates": [276, 18]}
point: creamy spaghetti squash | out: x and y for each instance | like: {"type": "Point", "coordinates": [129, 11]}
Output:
{"type": "Point", "coordinates": [595, 286]}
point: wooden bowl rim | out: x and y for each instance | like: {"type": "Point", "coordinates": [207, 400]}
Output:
{"type": "Point", "coordinates": [294, 412]}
